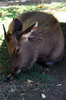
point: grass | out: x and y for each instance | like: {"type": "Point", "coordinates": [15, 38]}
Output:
{"type": "Point", "coordinates": [36, 73]}
{"type": "Point", "coordinates": [6, 15]}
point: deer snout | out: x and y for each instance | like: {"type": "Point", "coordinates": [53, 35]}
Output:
{"type": "Point", "coordinates": [16, 70]}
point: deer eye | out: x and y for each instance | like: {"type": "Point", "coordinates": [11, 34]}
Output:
{"type": "Point", "coordinates": [16, 52]}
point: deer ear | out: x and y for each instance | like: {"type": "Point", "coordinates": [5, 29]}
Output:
{"type": "Point", "coordinates": [17, 24]}
{"type": "Point", "coordinates": [31, 28]}
{"type": "Point", "coordinates": [4, 30]}
{"type": "Point", "coordinates": [28, 32]}
{"type": "Point", "coordinates": [7, 36]}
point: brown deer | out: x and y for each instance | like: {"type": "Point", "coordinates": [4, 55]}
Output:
{"type": "Point", "coordinates": [33, 36]}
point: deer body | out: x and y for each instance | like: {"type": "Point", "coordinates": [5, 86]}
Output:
{"type": "Point", "coordinates": [33, 36]}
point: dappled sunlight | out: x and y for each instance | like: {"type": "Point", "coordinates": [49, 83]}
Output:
{"type": "Point", "coordinates": [61, 16]}
{"type": "Point", "coordinates": [1, 34]}
{"type": "Point", "coordinates": [6, 24]}
{"type": "Point", "coordinates": [1, 29]}
{"type": "Point", "coordinates": [1, 40]}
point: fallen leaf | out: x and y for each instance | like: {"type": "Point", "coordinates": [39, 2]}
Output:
{"type": "Point", "coordinates": [29, 81]}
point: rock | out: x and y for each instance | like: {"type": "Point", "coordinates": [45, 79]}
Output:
{"type": "Point", "coordinates": [43, 96]}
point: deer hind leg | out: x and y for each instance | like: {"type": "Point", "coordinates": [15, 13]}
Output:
{"type": "Point", "coordinates": [56, 55]}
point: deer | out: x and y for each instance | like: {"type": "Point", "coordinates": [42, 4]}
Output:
{"type": "Point", "coordinates": [33, 36]}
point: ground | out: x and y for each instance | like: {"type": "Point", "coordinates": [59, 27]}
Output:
{"type": "Point", "coordinates": [33, 90]}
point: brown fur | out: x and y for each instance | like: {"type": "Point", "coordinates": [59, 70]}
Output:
{"type": "Point", "coordinates": [45, 42]}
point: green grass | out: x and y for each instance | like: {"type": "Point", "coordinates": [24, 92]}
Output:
{"type": "Point", "coordinates": [6, 14]}
{"type": "Point", "coordinates": [36, 73]}
{"type": "Point", "coordinates": [4, 58]}
{"type": "Point", "coordinates": [13, 11]}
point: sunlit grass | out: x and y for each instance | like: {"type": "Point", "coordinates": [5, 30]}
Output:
{"type": "Point", "coordinates": [61, 16]}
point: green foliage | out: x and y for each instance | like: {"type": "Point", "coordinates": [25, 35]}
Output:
{"type": "Point", "coordinates": [36, 73]}
{"type": "Point", "coordinates": [4, 58]}
{"type": "Point", "coordinates": [13, 11]}
{"type": "Point", "coordinates": [63, 25]}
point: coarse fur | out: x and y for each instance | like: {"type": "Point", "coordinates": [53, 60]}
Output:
{"type": "Point", "coordinates": [32, 36]}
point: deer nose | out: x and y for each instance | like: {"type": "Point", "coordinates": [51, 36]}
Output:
{"type": "Point", "coordinates": [16, 70]}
